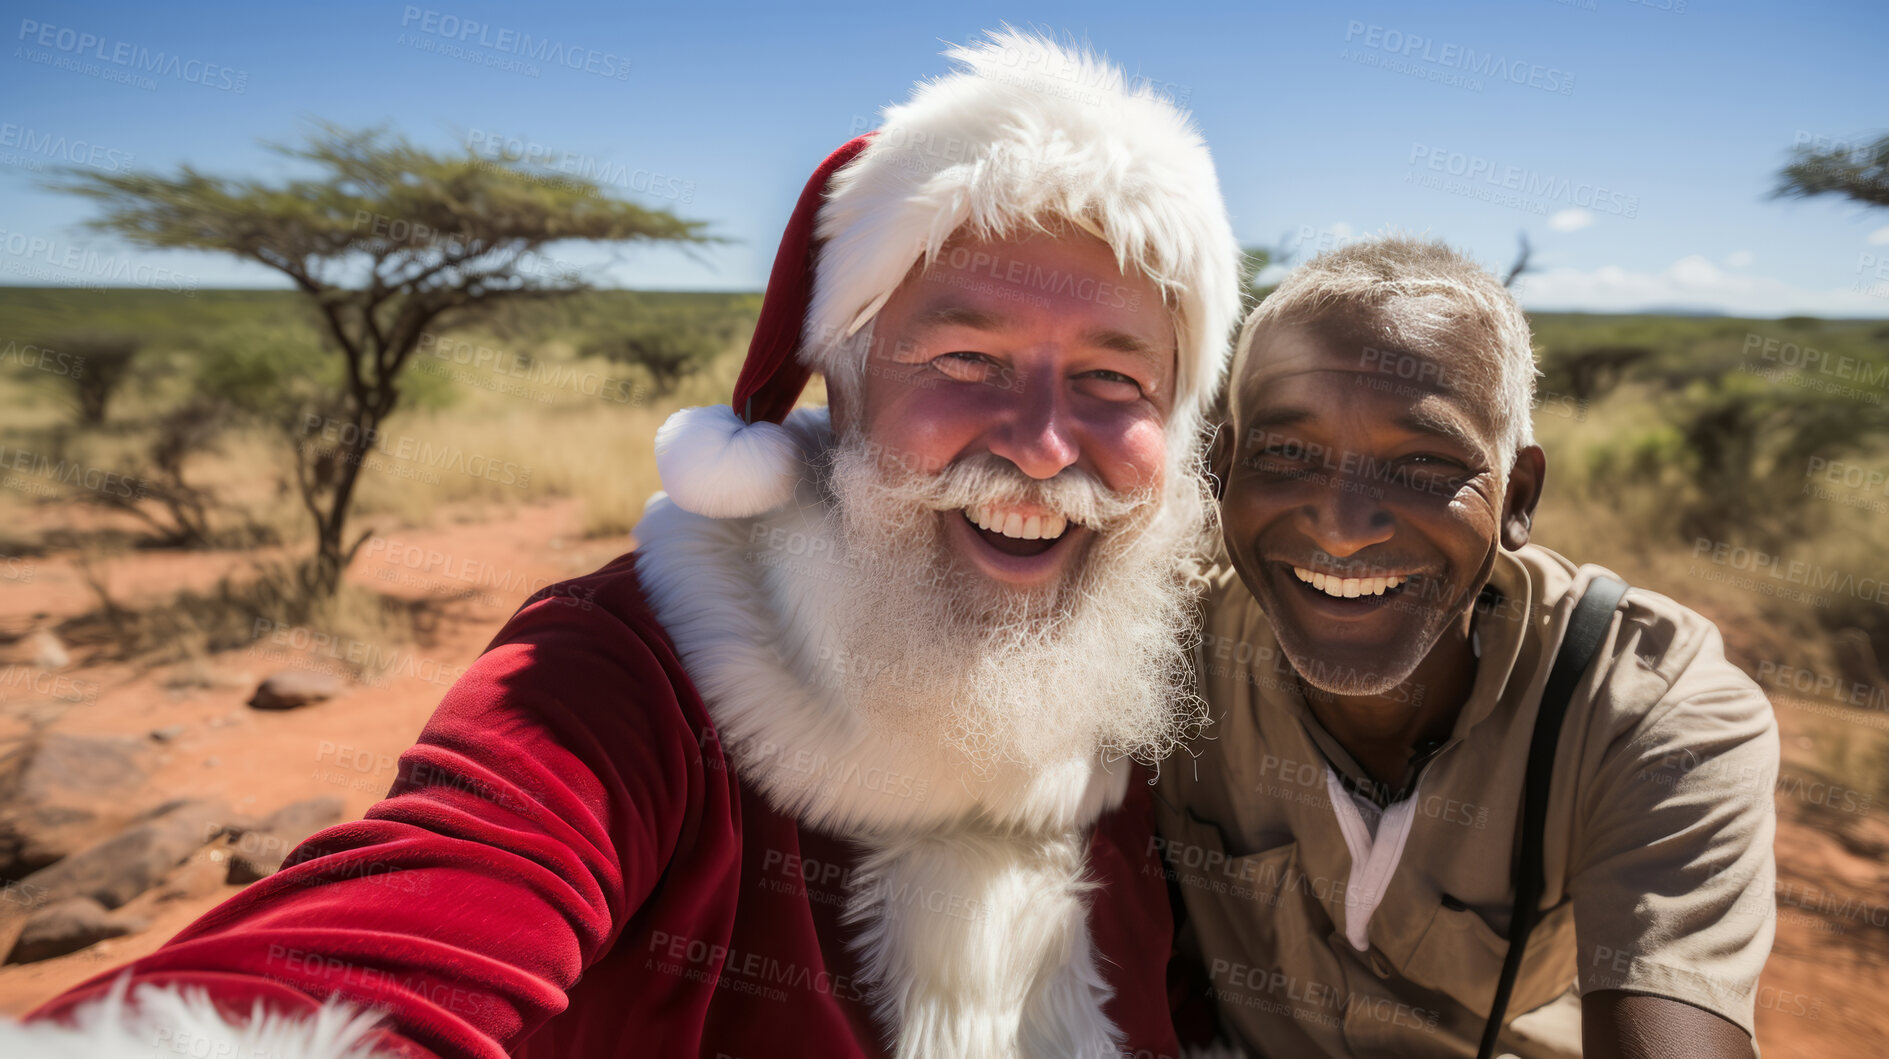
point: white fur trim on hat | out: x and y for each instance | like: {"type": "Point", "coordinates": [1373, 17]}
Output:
{"type": "Point", "coordinates": [714, 465]}
{"type": "Point", "coordinates": [1025, 132]}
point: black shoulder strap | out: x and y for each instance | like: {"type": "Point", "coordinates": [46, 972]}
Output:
{"type": "Point", "coordinates": [1587, 627]}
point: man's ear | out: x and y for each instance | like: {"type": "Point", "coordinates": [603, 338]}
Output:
{"type": "Point", "coordinates": [1220, 450]}
{"type": "Point", "coordinates": [1526, 477]}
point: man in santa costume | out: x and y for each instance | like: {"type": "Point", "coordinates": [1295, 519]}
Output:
{"type": "Point", "coordinates": [842, 760]}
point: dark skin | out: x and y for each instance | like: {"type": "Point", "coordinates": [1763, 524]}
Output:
{"type": "Point", "coordinates": [1378, 470]}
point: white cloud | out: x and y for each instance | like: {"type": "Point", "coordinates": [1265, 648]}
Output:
{"type": "Point", "coordinates": [1572, 219]}
{"type": "Point", "coordinates": [1740, 259]}
{"type": "Point", "coordinates": [1272, 274]}
{"type": "Point", "coordinates": [1879, 237]}
{"type": "Point", "coordinates": [1695, 283]}
{"type": "Point", "coordinates": [1340, 229]}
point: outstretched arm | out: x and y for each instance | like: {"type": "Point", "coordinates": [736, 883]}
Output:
{"type": "Point", "coordinates": [545, 798]}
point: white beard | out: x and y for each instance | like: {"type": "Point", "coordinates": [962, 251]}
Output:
{"type": "Point", "coordinates": [958, 736]}
{"type": "Point", "coordinates": [942, 660]}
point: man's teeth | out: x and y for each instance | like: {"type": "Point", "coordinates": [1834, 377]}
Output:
{"type": "Point", "coordinates": [1348, 587]}
{"type": "Point", "coordinates": [1012, 524]}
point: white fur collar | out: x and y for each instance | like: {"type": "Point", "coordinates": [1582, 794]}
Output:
{"type": "Point", "coordinates": [971, 904]}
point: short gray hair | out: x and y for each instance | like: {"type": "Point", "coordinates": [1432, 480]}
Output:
{"type": "Point", "coordinates": [1420, 297]}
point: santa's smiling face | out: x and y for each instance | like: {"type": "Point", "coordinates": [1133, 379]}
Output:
{"type": "Point", "coordinates": [1035, 355]}
{"type": "Point", "coordinates": [1020, 503]}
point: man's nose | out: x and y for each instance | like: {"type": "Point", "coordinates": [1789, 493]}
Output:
{"type": "Point", "coordinates": [1346, 517]}
{"type": "Point", "coordinates": [1037, 431]}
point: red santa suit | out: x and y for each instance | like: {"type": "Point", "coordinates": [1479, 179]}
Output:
{"type": "Point", "coordinates": [570, 865]}
{"type": "Point", "coordinates": [635, 828]}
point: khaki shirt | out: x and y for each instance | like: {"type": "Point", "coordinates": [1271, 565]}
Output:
{"type": "Point", "coordinates": [1659, 869]}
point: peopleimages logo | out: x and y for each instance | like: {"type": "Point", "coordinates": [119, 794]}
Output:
{"type": "Point", "coordinates": [132, 57]}
{"type": "Point", "coordinates": [31, 142]}
{"type": "Point", "coordinates": [545, 162]}
{"type": "Point", "coordinates": [1533, 189]}
{"type": "Point", "coordinates": [512, 42]}
{"type": "Point", "coordinates": [1444, 55]}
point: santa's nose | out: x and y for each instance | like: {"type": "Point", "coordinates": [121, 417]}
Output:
{"type": "Point", "coordinates": [1036, 432]}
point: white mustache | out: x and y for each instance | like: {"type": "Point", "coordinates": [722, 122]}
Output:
{"type": "Point", "coordinates": [987, 479]}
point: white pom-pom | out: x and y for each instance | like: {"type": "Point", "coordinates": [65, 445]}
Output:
{"type": "Point", "coordinates": [716, 466]}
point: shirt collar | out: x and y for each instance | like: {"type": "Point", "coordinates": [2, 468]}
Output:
{"type": "Point", "coordinates": [1502, 626]}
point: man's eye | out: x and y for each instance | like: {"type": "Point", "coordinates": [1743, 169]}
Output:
{"type": "Point", "coordinates": [1428, 472]}
{"type": "Point", "coordinates": [969, 367]}
{"type": "Point", "coordinates": [1113, 384]}
{"type": "Point", "coordinates": [1281, 460]}
{"type": "Point", "coordinates": [1282, 453]}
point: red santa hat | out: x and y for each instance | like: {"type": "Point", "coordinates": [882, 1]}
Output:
{"type": "Point", "coordinates": [1027, 131]}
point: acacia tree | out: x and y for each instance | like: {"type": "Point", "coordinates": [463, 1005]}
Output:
{"type": "Point", "coordinates": [387, 240]}
{"type": "Point", "coordinates": [1853, 171]}
{"type": "Point", "coordinates": [104, 361]}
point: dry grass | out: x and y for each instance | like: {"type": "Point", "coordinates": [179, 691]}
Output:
{"type": "Point", "coordinates": [243, 606]}
{"type": "Point", "coordinates": [1589, 515]}
{"type": "Point", "coordinates": [557, 443]}
{"type": "Point", "coordinates": [495, 443]}
{"type": "Point", "coordinates": [498, 443]}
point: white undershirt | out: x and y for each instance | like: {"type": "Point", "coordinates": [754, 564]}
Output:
{"type": "Point", "coordinates": [1375, 851]}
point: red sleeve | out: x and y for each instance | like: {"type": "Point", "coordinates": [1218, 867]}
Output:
{"type": "Point", "coordinates": [548, 794]}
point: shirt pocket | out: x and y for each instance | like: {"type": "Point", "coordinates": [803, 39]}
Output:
{"type": "Point", "coordinates": [1263, 941]}
{"type": "Point", "coordinates": [1206, 858]}
{"type": "Point", "coordinates": [1461, 955]}
{"type": "Point", "coordinates": [1251, 905]}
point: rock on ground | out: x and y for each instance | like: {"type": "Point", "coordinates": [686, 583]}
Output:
{"type": "Point", "coordinates": [124, 866]}
{"type": "Point", "coordinates": [295, 687]}
{"type": "Point", "coordinates": [47, 651]}
{"type": "Point", "coordinates": [68, 926]}
{"type": "Point", "coordinates": [62, 793]}
{"type": "Point", "coordinates": [258, 852]}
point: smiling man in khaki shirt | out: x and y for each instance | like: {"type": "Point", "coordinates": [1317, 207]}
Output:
{"type": "Point", "coordinates": [1374, 654]}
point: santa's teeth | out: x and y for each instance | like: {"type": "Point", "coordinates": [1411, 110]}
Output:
{"type": "Point", "coordinates": [1016, 525]}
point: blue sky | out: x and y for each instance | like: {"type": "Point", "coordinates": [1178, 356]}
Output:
{"type": "Point", "coordinates": [1637, 160]}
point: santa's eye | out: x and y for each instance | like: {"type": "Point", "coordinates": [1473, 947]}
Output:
{"type": "Point", "coordinates": [966, 366]}
{"type": "Point", "coordinates": [1111, 385]}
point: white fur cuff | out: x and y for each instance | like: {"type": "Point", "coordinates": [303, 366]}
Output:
{"type": "Point", "coordinates": [167, 1021]}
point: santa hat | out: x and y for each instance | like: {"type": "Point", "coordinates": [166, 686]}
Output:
{"type": "Point", "coordinates": [1025, 132]}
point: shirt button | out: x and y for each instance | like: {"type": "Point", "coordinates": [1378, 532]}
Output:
{"type": "Point", "coordinates": [1379, 965]}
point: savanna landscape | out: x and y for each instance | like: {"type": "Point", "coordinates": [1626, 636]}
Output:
{"type": "Point", "coordinates": [170, 675]}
